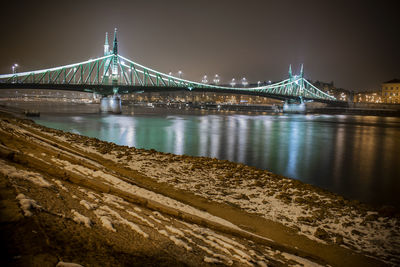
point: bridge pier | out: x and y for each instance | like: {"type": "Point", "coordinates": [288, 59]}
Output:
{"type": "Point", "coordinates": [294, 107]}
{"type": "Point", "coordinates": [111, 104]}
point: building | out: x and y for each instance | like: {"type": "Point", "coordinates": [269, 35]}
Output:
{"type": "Point", "coordinates": [368, 97]}
{"type": "Point", "coordinates": [329, 88]}
{"type": "Point", "coordinates": [391, 91]}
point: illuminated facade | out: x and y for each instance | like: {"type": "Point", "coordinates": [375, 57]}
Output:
{"type": "Point", "coordinates": [368, 97]}
{"type": "Point", "coordinates": [339, 93]}
{"type": "Point", "coordinates": [391, 91]}
{"type": "Point", "coordinates": [199, 98]}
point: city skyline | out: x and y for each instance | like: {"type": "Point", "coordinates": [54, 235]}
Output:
{"type": "Point", "coordinates": [258, 40]}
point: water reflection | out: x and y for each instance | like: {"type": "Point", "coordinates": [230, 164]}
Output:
{"type": "Point", "coordinates": [352, 155]}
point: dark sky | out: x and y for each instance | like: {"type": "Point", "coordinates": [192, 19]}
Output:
{"type": "Point", "coordinates": [356, 44]}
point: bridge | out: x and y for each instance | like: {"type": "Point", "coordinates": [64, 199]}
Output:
{"type": "Point", "coordinates": [113, 74]}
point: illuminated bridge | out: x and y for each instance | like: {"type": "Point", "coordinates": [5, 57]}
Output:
{"type": "Point", "coordinates": [113, 74]}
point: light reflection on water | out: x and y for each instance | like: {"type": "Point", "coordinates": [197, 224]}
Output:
{"type": "Point", "coordinates": [356, 156]}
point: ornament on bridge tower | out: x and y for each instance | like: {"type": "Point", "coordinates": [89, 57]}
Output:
{"type": "Point", "coordinates": [115, 59]}
{"type": "Point", "coordinates": [301, 71]}
{"type": "Point", "coordinates": [107, 62]}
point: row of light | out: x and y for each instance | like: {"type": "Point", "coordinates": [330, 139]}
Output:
{"type": "Point", "coordinates": [216, 79]}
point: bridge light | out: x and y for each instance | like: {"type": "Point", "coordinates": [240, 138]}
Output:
{"type": "Point", "coordinates": [233, 82]}
{"type": "Point", "coordinates": [14, 68]}
{"type": "Point", "coordinates": [216, 79]}
{"type": "Point", "coordinates": [180, 74]}
{"type": "Point", "coordinates": [244, 82]}
{"type": "Point", "coordinates": [204, 80]}
{"type": "Point", "coordinates": [258, 83]}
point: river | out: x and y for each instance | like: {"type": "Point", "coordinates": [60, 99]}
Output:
{"type": "Point", "coordinates": [355, 156]}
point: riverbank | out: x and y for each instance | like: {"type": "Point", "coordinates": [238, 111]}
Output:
{"type": "Point", "coordinates": [157, 208]}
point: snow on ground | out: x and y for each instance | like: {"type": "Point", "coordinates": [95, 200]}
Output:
{"type": "Point", "coordinates": [214, 247]}
{"type": "Point", "coordinates": [60, 184]}
{"type": "Point", "coordinates": [135, 190]}
{"type": "Point", "coordinates": [33, 177]}
{"type": "Point", "coordinates": [79, 218]}
{"type": "Point", "coordinates": [319, 215]}
{"type": "Point", "coordinates": [27, 204]}
{"type": "Point", "coordinates": [191, 237]}
{"type": "Point", "coordinates": [314, 213]}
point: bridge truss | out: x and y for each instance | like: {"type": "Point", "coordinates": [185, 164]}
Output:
{"type": "Point", "coordinates": [117, 72]}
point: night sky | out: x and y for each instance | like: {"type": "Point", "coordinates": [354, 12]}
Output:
{"type": "Point", "coordinates": [356, 44]}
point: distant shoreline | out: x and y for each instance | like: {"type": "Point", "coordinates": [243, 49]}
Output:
{"type": "Point", "coordinates": [362, 109]}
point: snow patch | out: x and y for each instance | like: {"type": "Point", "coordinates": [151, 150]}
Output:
{"type": "Point", "coordinates": [160, 216]}
{"type": "Point", "coordinates": [87, 205]}
{"type": "Point", "coordinates": [33, 177]}
{"type": "Point", "coordinates": [133, 214]}
{"type": "Point", "coordinates": [107, 210]}
{"type": "Point", "coordinates": [154, 219]}
{"type": "Point", "coordinates": [180, 243]}
{"type": "Point", "coordinates": [79, 218]}
{"type": "Point", "coordinates": [175, 231]}
{"type": "Point", "coordinates": [211, 260]}
{"type": "Point", "coordinates": [27, 204]}
{"type": "Point", "coordinates": [58, 182]}
{"type": "Point", "coordinates": [300, 260]}
{"type": "Point", "coordinates": [107, 223]}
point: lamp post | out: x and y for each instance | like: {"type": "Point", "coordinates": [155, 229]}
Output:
{"type": "Point", "coordinates": [14, 70]}
{"type": "Point", "coordinates": [216, 79]}
{"type": "Point", "coordinates": [244, 82]}
{"type": "Point", "coordinates": [180, 74]}
{"type": "Point", "coordinates": [233, 82]}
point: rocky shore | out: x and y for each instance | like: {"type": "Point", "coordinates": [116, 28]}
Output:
{"type": "Point", "coordinates": [71, 198]}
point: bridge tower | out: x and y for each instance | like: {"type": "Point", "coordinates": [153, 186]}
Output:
{"type": "Point", "coordinates": [106, 73]}
{"type": "Point", "coordinates": [297, 85]}
{"type": "Point", "coordinates": [115, 62]}
{"type": "Point", "coordinates": [111, 104]}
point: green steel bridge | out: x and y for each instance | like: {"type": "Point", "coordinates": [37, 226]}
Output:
{"type": "Point", "coordinates": [115, 74]}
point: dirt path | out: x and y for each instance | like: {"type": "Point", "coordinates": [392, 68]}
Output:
{"type": "Point", "coordinates": [87, 207]}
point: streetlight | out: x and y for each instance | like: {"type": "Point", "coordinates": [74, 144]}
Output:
{"type": "Point", "coordinates": [233, 82]}
{"type": "Point", "coordinates": [204, 80]}
{"type": "Point", "coordinates": [14, 70]}
{"type": "Point", "coordinates": [216, 79]}
{"type": "Point", "coordinates": [258, 83]}
{"type": "Point", "coordinates": [180, 74]}
{"type": "Point", "coordinates": [244, 82]}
